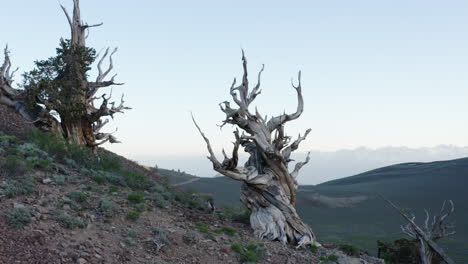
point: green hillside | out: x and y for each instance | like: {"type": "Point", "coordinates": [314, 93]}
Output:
{"type": "Point", "coordinates": [366, 219]}
{"type": "Point", "coordinates": [176, 176]}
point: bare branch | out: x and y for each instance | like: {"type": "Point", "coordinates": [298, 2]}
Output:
{"type": "Point", "coordinates": [99, 79]}
{"type": "Point", "coordinates": [86, 26]}
{"type": "Point", "coordinates": [87, 33]}
{"type": "Point", "coordinates": [299, 166]}
{"type": "Point", "coordinates": [443, 229]}
{"type": "Point", "coordinates": [244, 98]}
{"type": "Point", "coordinates": [426, 222]}
{"type": "Point", "coordinates": [94, 86]}
{"type": "Point", "coordinates": [256, 90]}
{"type": "Point", "coordinates": [449, 212]}
{"type": "Point", "coordinates": [68, 16]}
{"type": "Point", "coordinates": [102, 75]}
{"type": "Point", "coordinates": [231, 163]}
{"type": "Point", "coordinates": [294, 146]}
{"type": "Point", "coordinates": [104, 110]}
{"type": "Point", "coordinates": [212, 156]}
{"type": "Point", "coordinates": [408, 231]}
{"type": "Point", "coordinates": [99, 125]}
{"type": "Point", "coordinates": [106, 137]}
{"type": "Point", "coordinates": [277, 121]}
{"type": "Point", "coordinates": [415, 231]}
{"type": "Point", "coordinates": [100, 83]}
{"type": "Point", "coordinates": [6, 78]}
{"type": "Point", "coordinates": [120, 107]}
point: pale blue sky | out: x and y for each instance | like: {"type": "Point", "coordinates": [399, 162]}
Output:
{"type": "Point", "coordinates": [375, 73]}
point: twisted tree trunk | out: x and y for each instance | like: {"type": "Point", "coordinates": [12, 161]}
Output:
{"type": "Point", "coordinates": [269, 188]}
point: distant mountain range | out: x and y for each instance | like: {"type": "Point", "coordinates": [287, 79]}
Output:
{"type": "Point", "coordinates": [326, 165]}
{"type": "Point", "coordinates": [348, 210]}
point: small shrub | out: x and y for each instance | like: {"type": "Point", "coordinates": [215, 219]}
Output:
{"type": "Point", "coordinates": [73, 205]}
{"type": "Point", "coordinates": [140, 207]}
{"type": "Point", "coordinates": [226, 230]}
{"type": "Point", "coordinates": [59, 179]}
{"type": "Point", "coordinates": [237, 248]}
{"type": "Point", "coordinates": [253, 253]}
{"type": "Point", "coordinates": [349, 250]}
{"type": "Point", "coordinates": [329, 258]}
{"type": "Point", "coordinates": [70, 163]}
{"type": "Point", "coordinates": [198, 202]}
{"type": "Point", "coordinates": [132, 233]}
{"type": "Point", "coordinates": [113, 189]}
{"type": "Point", "coordinates": [133, 215]}
{"type": "Point", "coordinates": [114, 178]}
{"type": "Point", "coordinates": [399, 251]}
{"type": "Point", "coordinates": [190, 238]}
{"type": "Point", "coordinates": [135, 198]}
{"type": "Point", "coordinates": [43, 163]}
{"type": "Point", "coordinates": [313, 249]}
{"type": "Point", "coordinates": [109, 162]}
{"type": "Point", "coordinates": [83, 156]}
{"type": "Point", "coordinates": [99, 179]}
{"type": "Point", "coordinates": [157, 188]}
{"type": "Point", "coordinates": [13, 165]}
{"type": "Point", "coordinates": [157, 230]}
{"type": "Point", "coordinates": [36, 162]}
{"type": "Point", "coordinates": [136, 180]}
{"type": "Point", "coordinates": [48, 142]}
{"type": "Point", "coordinates": [249, 256]}
{"type": "Point", "coordinates": [202, 227]}
{"type": "Point", "coordinates": [70, 222]}
{"type": "Point", "coordinates": [30, 150]}
{"type": "Point", "coordinates": [167, 195]}
{"type": "Point", "coordinates": [238, 214]}
{"type": "Point", "coordinates": [249, 253]}
{"type": "Point", "coordinates": [162, 203]}
{"type": "Point", "coordinates": [94, 188]}
{"type": "Point", "coordinates": [19, 217]}
{"type": "Point", "coordinates": [158, 200]}
{"type": "Point", "coordinates": [160, 239]}
{"type": "Point", "coordinates": [191, 200]}
{"type": "Point", "coordinates": [182, 197]}
{"type": "Point", "coordinates": [107, 208]}
{"type": "Point", "coordinates": [333, 257]}
{"type": "Point", "coordinates": [77, 196]}
{"type": "Point", "coordinates": [6, 140]}
{"type": "Point", "coordinates": [130, 242]}
{"type": "Point", "coordinates": [19, 187]}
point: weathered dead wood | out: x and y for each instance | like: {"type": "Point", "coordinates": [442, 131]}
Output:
{"type": "Point", "coordinates": [7, 93]}
{"type": "Point", "coordinates": [429, 234]}
{"type": "Point", "coordinates": [268, 189]}
{"type": "Point", "coordinates": [14, 97]}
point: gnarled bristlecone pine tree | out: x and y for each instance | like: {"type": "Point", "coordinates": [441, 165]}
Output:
{"type": "Point", "coordinates": [433, 229]}
{"type": "Point", "coordinates": [268, 187]}
{"type": "Point", "coordinates": [57, 95]}
{"type": "Point", "coordinates": [427, 236]}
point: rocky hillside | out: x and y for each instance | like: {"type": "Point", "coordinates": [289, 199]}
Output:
{"type": "Point", "coordinates": [63, 204]}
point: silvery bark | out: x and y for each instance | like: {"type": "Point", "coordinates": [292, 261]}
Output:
{"type": "Point", "coordinates": [269, 187]}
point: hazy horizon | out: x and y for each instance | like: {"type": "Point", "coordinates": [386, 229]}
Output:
{"type": "Point", "coordinates": [324, 165]}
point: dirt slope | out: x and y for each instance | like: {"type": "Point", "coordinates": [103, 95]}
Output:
{"type": "Point", "coordinates": [60, 207]}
